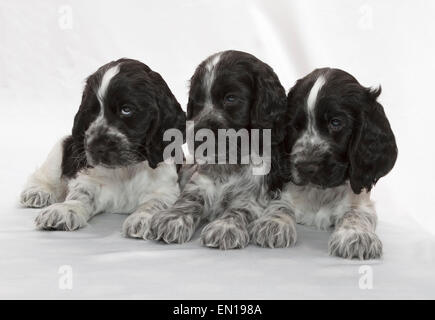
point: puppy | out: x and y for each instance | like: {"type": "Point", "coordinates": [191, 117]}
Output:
{"type": "Point", "coordinates": [113, 160]}
{"type": "Point", "coordinates": [339, 144]}
{"type": "Point", "coordinates": [229, 90]}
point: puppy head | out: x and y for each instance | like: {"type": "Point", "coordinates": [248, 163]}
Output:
{"type": "Point", "coordinates": [125, 109]}
{"type": "Point", "coordinates": [235, 90]}
{"type": "Point", "coordinates": [338, 132]}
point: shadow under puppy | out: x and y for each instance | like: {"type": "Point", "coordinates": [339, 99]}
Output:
{"type": "Point", "coordinates": [113, 160]}
{"type": "Point", "coordinates": [339, 144]}
{"type": "Point", "coordinates": [229, 90]}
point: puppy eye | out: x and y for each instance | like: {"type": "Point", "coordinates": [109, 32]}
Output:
{"type": "Point", "coordinates": [335, 124]}
{"type": "Point", "coordinates": [230, 98]}
{"type": "Point", "coordinates": [126, 110]}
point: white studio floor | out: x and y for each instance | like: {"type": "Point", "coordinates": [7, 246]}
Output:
{"type": "Point", "coordinates": [106, 265]}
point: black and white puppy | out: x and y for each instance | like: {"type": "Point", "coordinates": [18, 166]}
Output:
{"type": "Point", "coordinates": [229, 90]}
{"type": "Point", "coordinates": [113, 160]}
{"type": "Point", "coordinates": [339, 144]}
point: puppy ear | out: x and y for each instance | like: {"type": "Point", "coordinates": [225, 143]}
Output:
{"type": "Point", "coordinates": [170, 116]}
{"type": "Point", "coordinates": [74, 158]}
{"type": "Point", "coordinates": [270, 105]}
{"type": "Point", "coordinates": [89, 107]}
{"type": "Point", "coordinates": [372, 150]}
{"type": "Point", "coordinates": [280, 170]}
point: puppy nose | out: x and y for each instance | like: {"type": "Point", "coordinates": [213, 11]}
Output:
{"type": "Point", "coordinates": [99, 149]}
{"type": "Point", "coordinates": [210, 125]}
{"type": "Point", "coordinates": [101, 146]}
{"type": "Point", "coordinates": [307, 168]}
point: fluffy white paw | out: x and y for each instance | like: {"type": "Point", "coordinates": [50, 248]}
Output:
{"type": "Point", "coordinates": [61, 216]}
{"type": "Point", "coordinates": [171, 227]}
{"type": "Point", "coordinates": [273, 231]}
{"type": "Point", "coordinates": [224, 234]}
{"type": "Point", "coordinates": [351, 243]}
{"type": "Point", "coordinates": [35, 197]}
{"type": "Point", "coordinates": [137, 225]}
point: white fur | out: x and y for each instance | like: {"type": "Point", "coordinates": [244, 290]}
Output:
{"type": "Point", "coordinates": [123, 190]}
{"type": "Point", "coordinates": [209, 78]}
{"type": "Point", "coordinates": [322, 208]}
{"type": "Point", "coordinates": [314, 92]}
{"type": "Point", "coordinates": [46, 185]}
{"type": "Point", "coordinates": [311, 135]}
{"type": "Point", "coordinates": [104, 84]}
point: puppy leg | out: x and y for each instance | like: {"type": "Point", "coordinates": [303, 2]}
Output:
{"type": "Point", "coordinates": [354, 235]}
{"type": "Point", "coordinates": [80, 205]}
{"type": "Point", "coordinates": [178, 223]}
{"type": "Point", "coordinates": [46, 185]}
{"type": "Point", "coordinates": [276, 228]}
{"type": "Point", "coordinates": [238, 206]}
{"type": "Point", "coordinates": [137, 225]}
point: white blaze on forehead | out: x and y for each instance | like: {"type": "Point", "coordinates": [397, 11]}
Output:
{"type": "Point", "coordinates": [209, 78]}
{"type": "Point", "coordinates": [104, 84]}
{"type": "Point", "coordinates": [101, 94]}
{"type": "Point", "coordinates": [311, 136]}
{"type": "Point", "coordinates": [213, 61]}
{"type": "Point", "coordinates": [312, 97]}
{"type": "Point", "coordinates": [311, 104]}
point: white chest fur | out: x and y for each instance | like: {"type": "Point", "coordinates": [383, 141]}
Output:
{"type": "Point", "coordinates": [319, 207]}
{"type": "Point", "coordinates": [122, 190]}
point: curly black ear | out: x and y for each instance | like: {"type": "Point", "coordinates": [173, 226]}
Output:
{"type": "Point", "coordinates": [372, 150]}
{"type": "Point", "coordinates": [269, 111]}
{"type": "Point", "coordinates": [74, 158]}
{"type": "Point", "coordinates": [269, 108]}
{"type": "Point", "coordinates": [170, 116]}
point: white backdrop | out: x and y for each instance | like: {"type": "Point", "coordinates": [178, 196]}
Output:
{"type": "Point", "coordinates": [47, 48]}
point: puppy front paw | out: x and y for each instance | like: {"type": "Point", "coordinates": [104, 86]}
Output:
{"type": "Point", "coordinates": [137, 225]}
{"type": "Point", "coordinates": [35, 197]}
{"type": "Point", "coordinates": [273, 231]}
{"type": "Point", "coordinates": [60, 216]}
{"type": "Point", "coordinates": [171, 227]}
{"type": "Point", "coordinates": [351, 243]}
{"type": "Point", "coordinates": [224, 234]}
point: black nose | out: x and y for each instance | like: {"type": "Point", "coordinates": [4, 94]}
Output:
{"type": "Point", "coordinates": [102, 148]}
{"type": "Point", "coordinates": [99, 150]}
{"type": "Point", "coordinates": [307, 168]}
{"type": "Point", "coordinates": [210, 125]}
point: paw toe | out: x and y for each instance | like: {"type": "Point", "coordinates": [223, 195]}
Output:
{"type": "Point", "coordinates": [171, 228]}
{"type": "Point", "coordinates": [224, 235]}
{"type": "Point", "coordinates": [34, 198]}
{"type": "Point", "coordinates": [58, 217]}
{"type": "Point", "coordinates": [349, 244]}
{"type": "Point", "coordinates": [136, 225]}
{"type": "Point", "coordinates": [273, 233]}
